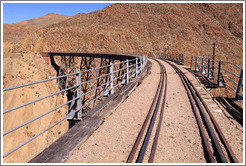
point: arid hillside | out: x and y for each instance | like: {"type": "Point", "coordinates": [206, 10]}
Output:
{"type": "Point", "coordinates": [189, 29]}
{"type": "Point", "coordinates": [148, 28]}
{"type": "Point", "coordinates": [19, 68]}
{"type": "Point", "coordinates": [16, 32]}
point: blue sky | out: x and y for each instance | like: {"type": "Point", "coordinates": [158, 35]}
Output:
{"type": "Point", "coordinates": [16, 12]}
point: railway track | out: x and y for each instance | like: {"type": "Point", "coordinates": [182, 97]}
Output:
{"type": "Point", "coordinates": [150, 121]}
{"type": "Point", "coordinates": [216, 147]}
{"type": "Point", "coordinates": [219, 149]}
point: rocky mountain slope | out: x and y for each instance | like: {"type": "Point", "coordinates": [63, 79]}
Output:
{"type": "Point", "coordinates": [148, 28]}
{"type": "Point", "coordinates": [120, 28]}
{"type": "Point", "coordinates": [19, 68]}
{"type": "Point", "coordinates": [16, 32]}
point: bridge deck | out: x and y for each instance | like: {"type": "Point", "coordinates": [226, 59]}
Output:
{"type": "Point", "coordinates": [180, 141]}
{"type": "Point", "coordinates": [60, 150]}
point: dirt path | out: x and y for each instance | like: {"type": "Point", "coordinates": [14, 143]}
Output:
{"type": "Point", "coordinates": [179, 140]}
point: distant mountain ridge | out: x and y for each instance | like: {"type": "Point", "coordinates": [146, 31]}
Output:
{"type": "Point", "coordinates": [47, 19]}
{"type": "Point", "coordinates": [16, 32]}
{"type": "Point", "coordinates": [188, 28]}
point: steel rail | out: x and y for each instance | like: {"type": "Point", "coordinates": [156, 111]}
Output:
{"type": "Point", "coordinates": [198, 119]}
{"type": "Point", "coordinates": [71, 113]}
{"type": "Point", "coordinates": [38, 117]}
{"type": "Point", "coordinates": [230, 80]}
{"type": "Point", "coordinates": [217, 128]}
{"type": "Point", "coordinates": [152, 121]}
{"type": "Point", "coordinates": [207, 58]}
{"type": "Point", "coordinates": [53, 78]}
{"type": "Point", "coordinates": [140, 135]}
{"type": "Point", "coordinates": [230, 88]}
{"type": "Point", "coordinates": [37, 82]}
{"type": "Point", "coordinates": [232, 64]}
{"type": "Point", "coordinates": [124, 61]}
{"type": "Point", "coordinates": [157, 133]}
{"type": "Point", "coordinates": [15, 128]}
{"type": "Point", "coordinates": [210, 129]}
{"type": "Point", "coordinates": [42, 98]}
{"type": "Point", "coordinates": [18, 147]}
{"type": "Point", "coordinates": [115, 71]}
{"type": "Point", "coordinates": [34, 101]}
{"type": "Point", "coordinates": [205, 118]}
{"type": "Point", "coordinates": [229, 72]}
{"type": "Point", "coordinates": [236, 112]}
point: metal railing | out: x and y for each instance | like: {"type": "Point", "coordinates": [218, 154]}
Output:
{"type": "Point", "coordinates": [224, 73]}
{"type": "Point", "coordinates": [177, 58]}
{"type": "Point", "coordinates": [116, 77]}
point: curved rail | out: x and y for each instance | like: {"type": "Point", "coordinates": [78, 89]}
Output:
{"type": "Point", "coordinates": [150, 122]}
{"type": "Point", "coordinates": [198, 103]}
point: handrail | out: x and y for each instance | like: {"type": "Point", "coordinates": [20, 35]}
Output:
{"type": "Point", "coordinates": [209, 70]}
{"type": "Point", "coordinates": [42, 98]}
{"type": "Point", "coordinates": [136, 68]}
{"type": "Point", "coordinates": [211, 59]}
{"type": "Point", "coordinates": [53, 78]}
{"type": "Point", "coordinates": [230, 80]}
{"type": "Point", "coordinates": [232, 64]}
{"type": "Point", "coordinates": [230, 72]}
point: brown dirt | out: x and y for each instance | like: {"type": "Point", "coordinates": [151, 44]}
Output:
{"type": "Point", "coordinates": [119, 28]}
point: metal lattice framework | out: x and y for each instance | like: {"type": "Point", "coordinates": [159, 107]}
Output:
{"type": "Point", "coordinates": [86, 79]}
{"type": "Point", "coordinates": [69, 63]}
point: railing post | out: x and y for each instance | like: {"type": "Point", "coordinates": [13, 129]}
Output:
{"type": "Point", "coordinates": [202, 70]}
{"type": "Point", "coordinates": [191, 60]}
{"type": "Point", "coordinates": [127, 71]}
{"type": "Point", "coordinates": [240, 82]}
{"type": "Point", "coordinates": [212, 70]}
{"type": "Point", "coordinates": [219, 75]}
{"type": "Point", "coordinates": [210, 76]}
{"type": "Point", "coordinates": [136, 67]}
{"type": "Point", "coordinates": [79, 102]}
{"type": "Point", "coordinates": [212, 73]}
{"type": "Point", "coordinates": [111, 78]}
{"type": "Point", "coordinates": [143, 61]}
{"type": "Point", "coordinates": [196, 67]}
{"type": "Point", "coordinates": [141, 64]}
